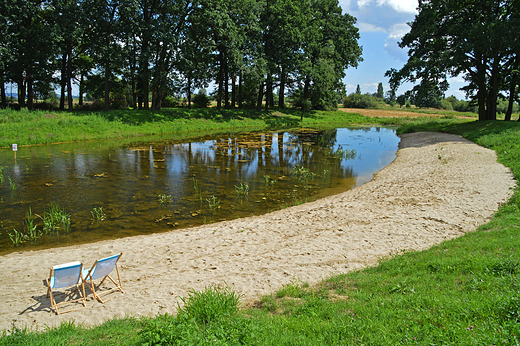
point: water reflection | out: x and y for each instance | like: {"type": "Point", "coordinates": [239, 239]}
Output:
{"type": "Point", "coordinates": [197, 182]}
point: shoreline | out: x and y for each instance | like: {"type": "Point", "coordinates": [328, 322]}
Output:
{"type": "Point", "coordinates": [439, 187]}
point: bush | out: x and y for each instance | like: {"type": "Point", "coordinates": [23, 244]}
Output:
{"type": "Point", "coordinates": [201, 99]}
{"type": "Point", "coordinates": [169, 102]}
{"type": "Point", "coordinates": [360, 101]}
{"type": "Point", "coordinates": [446, 104]}
{"type": "Point", "coordinates": [465, 106]}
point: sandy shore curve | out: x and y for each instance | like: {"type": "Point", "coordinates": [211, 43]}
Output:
{"type": "Point", "coordinates": [439, 187]}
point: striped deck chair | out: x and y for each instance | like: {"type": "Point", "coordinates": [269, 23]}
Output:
{"type": "Point", "coordinates": [101, 270]}
{"type": "Point", "coordinates": [63, 276]}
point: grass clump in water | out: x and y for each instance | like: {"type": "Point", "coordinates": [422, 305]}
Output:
{"type": "Point", "coordinates": [55, 219]}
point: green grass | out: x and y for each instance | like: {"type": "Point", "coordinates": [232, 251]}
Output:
{"type": "Point", "coordinates": [39, 127]}
{"type": "Point", "coordinates": [465, 291]}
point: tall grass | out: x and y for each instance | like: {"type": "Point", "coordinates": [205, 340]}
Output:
{"type": "Point", "coordinates": [465, 291]}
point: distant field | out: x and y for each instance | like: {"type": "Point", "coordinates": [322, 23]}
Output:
{"type": "Point", "coordinates": [411, 113]}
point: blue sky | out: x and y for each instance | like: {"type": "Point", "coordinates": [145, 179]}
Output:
{"type": "Point", "coordinates": [381, 25]}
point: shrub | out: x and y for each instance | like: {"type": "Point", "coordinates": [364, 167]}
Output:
{"type": "Point", "coordinates": [446, 104]}
{"type": "Point", "coordinates": [201, 99]}
{"type": "Point", "coordinates": [360, 101]}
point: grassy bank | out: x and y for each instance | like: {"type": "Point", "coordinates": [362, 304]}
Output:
{"type": "Point", "coordinates": [461, 292]}
{"type": "Point", "coordinates": [39, 127]}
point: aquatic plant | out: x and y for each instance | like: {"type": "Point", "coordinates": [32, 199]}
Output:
{"type": "Point", "coordinates": [16, 237]}
{"type": "Point", "coordinates": [214, 203]}
{"type": "Point", "coordinates": [98, 214]}
{"type": "Point", "coordinates": [346, 154]}
{"type": "Point", "coordinates": [1, 176]}
{"type": "Point", "coordinates": [55, 218]}
{"type": "Point", "coordinates": [32, 229]}
{"type": "Point", "coordinates": [165, 199]}
{"type": "Point", "coordinates": [242, 189]}
{"type": "Point", "coordinates": [13, 185]}
{"type": "Point", "coordinates": [303, 173]}
{"type": "Point", "coordinates": [198, 190]}
{"type": "Point", "coordinates": [268, 181]}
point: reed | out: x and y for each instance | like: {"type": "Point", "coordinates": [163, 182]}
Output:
{"type": "Point", "coordinates": [98, 214]}
{"type": "Point", "coordinates": [165, 199]}
{"type": "Point", "coordinates": [55, 219]}
{"type": "Point", "coordinates": [16, 237]}
{"type": "Point", "coordinates": [12, 183]}
{"type": "Point", "coordinates": [31, 227]}
{"type": "Point", "coordinates": [214, 203]}
{"type": "Point", "coordinates": [242, 189]}
{"type": "Point", "coordinates": [303, 173]}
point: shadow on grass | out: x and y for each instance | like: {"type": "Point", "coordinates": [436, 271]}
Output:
{"type": "Point", "coordinates": [274, 118]}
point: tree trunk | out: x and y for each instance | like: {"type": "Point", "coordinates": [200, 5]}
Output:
{"type": "Point", "coordinates": [63, 80]}
{"type": "Point", "coordinates": [240, 90]}
{"type": "Point", "coordinates": [220, 79]}
{"type": "Point", "coordinates": [281, 92]}
{"type": "Point", "coordinates": [268, 92]}
{"type": "Point", "coordinates": [30, 91]}
{"type": "Point", "coordinates": [512, 91]}
{"type": "Point", "coordinates": [260, 96]}
{"type": "Point", "coordinates": [69, 77]}
{"type": "Point", "coordinates": [493, 93]}
{"type": "Point", "coordinates": [233, 91]}
{"type": "Point", "coordinates": [107, 84]}
{"type": "Point", "coordinates": [188, 91]}
{"type": "Point", "coordinates": [133, 68]}
{"type": "Point", "coordinates": [80, 101]}
{"type": "Point", "coordinates": [2, 93]}
{"type": "Point", "coordinates": [226, 86]}
{"type": "Point", "coordinates": [21, 91]}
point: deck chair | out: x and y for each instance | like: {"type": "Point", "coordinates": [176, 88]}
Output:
{"type": "Point", "coordinates": [101, 270]}
{"type": "Point", "coordinates": [63, 276]}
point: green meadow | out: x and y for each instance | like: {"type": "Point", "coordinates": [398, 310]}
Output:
{"type": "Point", "coordinates": [465, 291]}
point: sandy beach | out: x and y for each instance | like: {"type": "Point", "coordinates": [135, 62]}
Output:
{"type": "Point", "coordinates": [439, 187]}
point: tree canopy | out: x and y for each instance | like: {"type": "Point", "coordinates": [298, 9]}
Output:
{"type": "Point", "coordinates": [476, 39]}
{"type": "Point", "coordinates": [135, 53]}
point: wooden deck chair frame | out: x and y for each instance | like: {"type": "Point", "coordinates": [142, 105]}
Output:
{"type": "Point", "coordinates": [64, 276]}
{"type": "Point", "coordinates": [92, 274]}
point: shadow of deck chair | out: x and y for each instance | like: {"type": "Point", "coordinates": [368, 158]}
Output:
{"type": "Point", "coordinates": [101, 270]}
{"type": "Point", "coordinates": [64, 276]}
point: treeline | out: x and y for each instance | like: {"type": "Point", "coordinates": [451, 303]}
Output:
{"type": "Point", "coordinates": [135, 53]}
{"type": "Point", "coordinates": [476, 39]}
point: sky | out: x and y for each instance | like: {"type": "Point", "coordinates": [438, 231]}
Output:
{"type": "Point", "coordinates": [381, 25]}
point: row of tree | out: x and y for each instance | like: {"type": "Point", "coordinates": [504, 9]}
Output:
{"type": "Point", "coordinates": [477, 39]}
{"type": "Point", "coordinates": [149, 49]}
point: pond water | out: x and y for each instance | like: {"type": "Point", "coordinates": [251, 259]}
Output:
{"type": "Point", "coordinates": [154, 185]}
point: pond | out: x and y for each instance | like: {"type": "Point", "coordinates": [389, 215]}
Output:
{"type": "Point", "coordinates": [71, 193]}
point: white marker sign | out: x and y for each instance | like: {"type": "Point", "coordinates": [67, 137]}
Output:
{"type": "Point", "coordinates": [15, 147]}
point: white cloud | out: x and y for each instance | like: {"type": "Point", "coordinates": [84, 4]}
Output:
{"type": "Point", "coordinates": [391, 43]}
{"type": "Point", "coordinates": [401, 6]}
{"type": "Point", "coordinates": [367, 27]}
{"type": "Point", "coordinates": [400, 29]}
{"type": "Point", "coordinates": [406, 6]}
{"type": "Point", "coordinates": [369, 88]}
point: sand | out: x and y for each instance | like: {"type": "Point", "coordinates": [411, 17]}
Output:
{"type": "Point", "coordinates": [439, 187]}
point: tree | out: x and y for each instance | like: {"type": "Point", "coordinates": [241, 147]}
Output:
{"type": "Point", "coordinates": [401, 100]}
{"type": "Point", "coordinates": [358, 89]}
{"type": "Point", "coordinates": [30, 46]}
{"type": "Point", "coordinates": [329, 47]}
{"type": "Point", "coordinates": [449, 38]}
{"type": "Point", "coordinates": [380, 93]}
